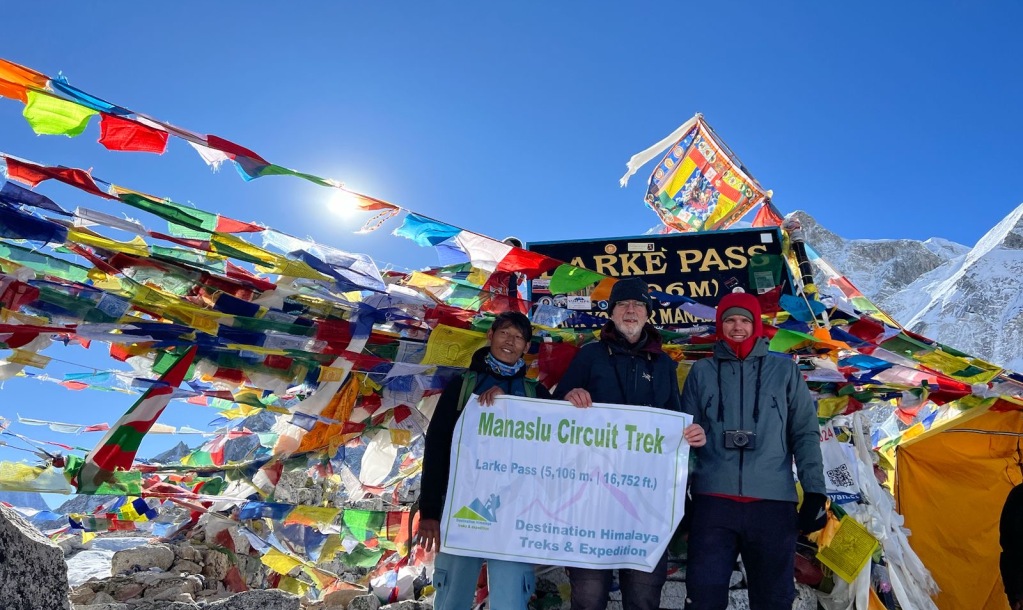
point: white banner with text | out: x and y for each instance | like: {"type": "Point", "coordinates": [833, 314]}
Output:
{"type": "Point", "coordinates": [545, 482]}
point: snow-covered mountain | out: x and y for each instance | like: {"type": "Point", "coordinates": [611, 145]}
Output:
{"type": "Point", "coordinates": [968, 298]}
{"type": "Point", "coordinates": [24, 499]}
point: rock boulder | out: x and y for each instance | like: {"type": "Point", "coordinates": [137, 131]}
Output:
{"type": "Point", "coordinates": [142, 558]}
{"type": "Point", "coordinates": [32, 569]}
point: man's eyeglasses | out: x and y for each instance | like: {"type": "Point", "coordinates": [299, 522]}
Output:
{"type": "Point", "coordinates": [631, 304]}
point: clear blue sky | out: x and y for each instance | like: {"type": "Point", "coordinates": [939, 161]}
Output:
{"type": "Point", "coordinates": [882, 120]}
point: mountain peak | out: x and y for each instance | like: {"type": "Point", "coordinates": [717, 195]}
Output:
{"type": "Point", "coordinates": [1008, 233]}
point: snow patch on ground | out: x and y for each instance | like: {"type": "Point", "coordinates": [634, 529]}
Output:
{"type": "Point", "coordinates": [95, 562]}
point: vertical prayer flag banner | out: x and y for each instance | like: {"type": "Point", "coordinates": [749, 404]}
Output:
{"type": "Point", "coordinates": [544, 482]}
{"type": "Point", "coordinates": [700, 185]}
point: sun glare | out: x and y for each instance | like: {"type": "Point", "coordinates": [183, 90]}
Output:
{"type": "Point", "coordinates": [343, 204]}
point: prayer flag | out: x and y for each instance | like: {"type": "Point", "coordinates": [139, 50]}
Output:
{"type": "Point", "coordinates": [15, 79]}
{"type": "Point", "coordinates": [699, 185]}
{"type": "Point", "coordinates": [567, 279]}
{"type": "Point", "coordinates": [50, 115]}
{"type": "Point", "coordinates": [118, 133]}
{"type": "Point", "coordinates": [424, 231]}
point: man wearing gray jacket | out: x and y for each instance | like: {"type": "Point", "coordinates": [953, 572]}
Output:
{"type": "Point", "coordinates": [759, 416]}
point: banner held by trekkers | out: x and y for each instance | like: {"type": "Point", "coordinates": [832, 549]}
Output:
{"type": "Point", "coordinates": [545, 482]}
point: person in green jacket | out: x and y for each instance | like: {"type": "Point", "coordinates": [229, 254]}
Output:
{"type": "Point", "coordinates": [759, 417]}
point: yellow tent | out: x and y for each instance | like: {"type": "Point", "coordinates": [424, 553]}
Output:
{"type": "Point", "coordinates": [951, 483]}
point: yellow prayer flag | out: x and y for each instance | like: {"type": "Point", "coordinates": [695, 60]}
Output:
{"type": "Point", "coordinates": [136, 247]}
{"type": "Point", "coordinates": [279, 562]}
{"type": "Point", "coordinates": [449, 346]}
{"type": "Point", "coordinates": [225, 243]}
{"type": "Point", "coordinates": [239, 411]}
{"type": "Point", "coordinates": [87, 537]}
{"type": "Point", "coordinates": [912, 432]}
{"type": "Point", "coordinates": [200, 319]}
{"type": "Point", "coordinates": [829, 406]}
{"type": "Point", "coordinates": [368, 386]}
{"type": "Point", "coordinates": [402, 438]}
{"type": "Point", "coordinates": [293, 585]}
{"type": "Point", "coordinates": [967, 370]}
{"type": "Point", "coordinates": [28, 358]}
{"type": "Point", "coordinates": [478, 277]}
{"type": "Point", "coordinates": [850, 549]}
{"type": "Point", "coordinates": [16, 317]}
{"type": "Point", "coordinates": [331, 548]}
{"type": "Point", "coordinates": [312, 515]}
{"type": "Point", "coordinates": [256, 349]}
{"type": "Point", "coordinates": [425, 280]}
{"type": "Point", "coordinates": [128, 512]}
{"type": "Point", "coordinates": [331, 373]}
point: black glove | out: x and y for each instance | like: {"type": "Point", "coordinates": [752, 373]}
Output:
{"type": "Point", "coordinates": [813, 515]}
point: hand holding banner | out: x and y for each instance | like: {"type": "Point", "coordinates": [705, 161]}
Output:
{"type": "Point", "coordinates": [545, 482]}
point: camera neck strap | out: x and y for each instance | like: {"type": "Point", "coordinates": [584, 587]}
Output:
{"type": "Point", "coordinates": [756, 396]}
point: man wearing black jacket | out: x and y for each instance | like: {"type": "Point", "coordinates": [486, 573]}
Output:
{"type": "Point", "coordinates": [627, 366]}
{"type": "Point", "coordinates": [495, 370]}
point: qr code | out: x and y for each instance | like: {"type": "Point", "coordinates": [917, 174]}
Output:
{"type": "Point", "coordinates": [841, 477]}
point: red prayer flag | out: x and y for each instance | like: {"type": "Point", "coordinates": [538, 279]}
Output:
{"type": "Point", "coordinates": [767, 216]}
{"type": "Point", "coordinates": [530, 264]}
{"type": "Point", "coordinates": [27, 173]}
{"type": "Point", "coordinates": [232, 149]}
{"type": "Point", "coordinates": [118, 133]}
{"type": "Point", "coordinates": [33, 174]}
{"type": "Point", "coordinates": [230, 225]}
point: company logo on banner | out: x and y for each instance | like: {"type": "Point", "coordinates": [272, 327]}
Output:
{"type": "Point", "coordinates": [545, 482]}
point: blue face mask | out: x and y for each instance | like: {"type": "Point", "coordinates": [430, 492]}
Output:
{"type": "Point", "coordinates": [505, 370]}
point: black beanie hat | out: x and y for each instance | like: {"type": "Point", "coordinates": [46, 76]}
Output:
{"type": "Point", "coordinates": [630, 289]}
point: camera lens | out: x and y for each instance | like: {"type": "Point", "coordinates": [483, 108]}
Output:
{"type": "Point", "coordinates": [740, 439]}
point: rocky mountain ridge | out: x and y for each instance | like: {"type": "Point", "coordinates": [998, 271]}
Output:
{"type": "Point", "coordinates": [970, 298]}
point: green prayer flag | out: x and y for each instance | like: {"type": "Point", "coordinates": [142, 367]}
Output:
{"type": "Point", "coordinates": [173, 213]}
{"type": "Point", "coordinates": [47, 265]}
{"type": "Point", "coordinates": [904, 345]}
{"type": "Point", "coordinates": [126, 483]}
{"type": "Point", "coordinates": [567, 279]}
{"type": "Point", "coordinates": [277, 170]}
{"type": "Point", "coordinates": [364, 524]}
{"type": "Point", "coordinates": [49, 115]}
{"type": "Point", "coordinates": [362, 557]}
{"type": "Point", "coordinates": [786, 340]}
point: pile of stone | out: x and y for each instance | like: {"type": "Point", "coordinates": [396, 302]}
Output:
{"type": "Point", "coordinates": [198, 573]}
{"type": "Point", "coordinates": [181, 572]}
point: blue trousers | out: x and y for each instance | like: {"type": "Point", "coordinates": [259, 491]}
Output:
{"type": "Point", "coordinates": [764, 532]}
{"type": "Point", "coordinates": [511, 583]}
{"type": "Point", "coordinates": [640, 590]}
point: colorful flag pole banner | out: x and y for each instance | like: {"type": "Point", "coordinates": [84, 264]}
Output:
{"type": "Point", "coordinates": [120, 444]}
{"type": "Point", "coordinates": [699, 185]}
{"type": "Point", "coordinates": [543, 482]}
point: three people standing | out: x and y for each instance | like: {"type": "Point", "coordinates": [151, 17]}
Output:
{"type": "Point", "coordinates": [757, 412]}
